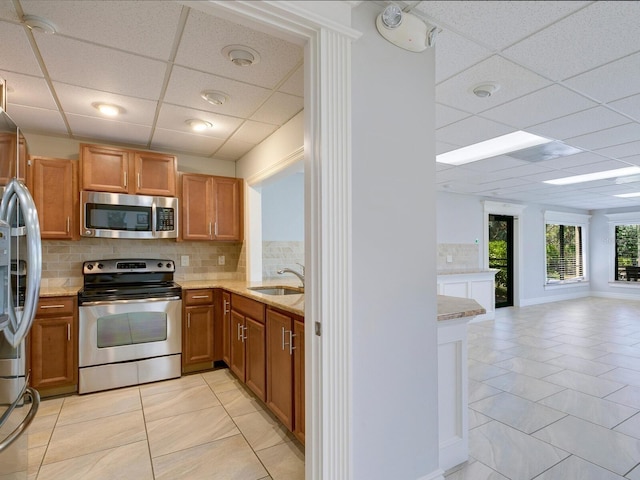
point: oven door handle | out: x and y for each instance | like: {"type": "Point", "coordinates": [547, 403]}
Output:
{"type": "Point", "coordinates": [137, 300]}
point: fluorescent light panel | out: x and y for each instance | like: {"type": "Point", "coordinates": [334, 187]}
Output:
{"type": "Point", "coordinates": [628, 195]}
{"type": "Point", "coordinates": [491, 148]}
{"type": "Point", "coordinates": [590, 177]}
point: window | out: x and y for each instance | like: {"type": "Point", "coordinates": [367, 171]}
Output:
{"type": "Point", "coordinates": [566, 244]}
{"type": "Point", "coordinates": [627, 252]}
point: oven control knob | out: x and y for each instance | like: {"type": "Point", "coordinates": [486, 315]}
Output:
{"type": "Point", "coordinates": [168, 265]}
{"type": "Point", "coordinates": [100, 266]}
{"type": "Point", "coordinates": [90, 266]}
{"type": "Point", "coordinates": [159, 265]}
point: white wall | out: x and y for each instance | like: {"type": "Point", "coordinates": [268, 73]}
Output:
{"type": "Point", "coordinates": [395, 424]}
{"type": "Point", "coordinates": [283, 209]}
{"type": "Point", "coordinates": [460, 220]}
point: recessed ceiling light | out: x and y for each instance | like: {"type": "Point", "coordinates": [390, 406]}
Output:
{"type": "Point", "coordinates": [108, 109]}
{"type": "Point", "coordinates": [486, 89]}
{"type": "Point", "coordinates": [213, 97]}
{"type": "Point", "coordinates": [491, 148]}
{"type": "Point", "coordinates": [198, 125]}
{"type": "Point", "coordinates": [39, 24]}
{"type": "Point", "coordinates": [590, 177]}
{"type": "Point", "coordinates": [241, 55]}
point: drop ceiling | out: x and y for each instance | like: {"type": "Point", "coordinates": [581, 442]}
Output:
{"type": "Point", "coordinates": [567, 70]}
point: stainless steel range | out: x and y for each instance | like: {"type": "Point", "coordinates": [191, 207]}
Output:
{"type": "Point", "coordinates": [129, 324]}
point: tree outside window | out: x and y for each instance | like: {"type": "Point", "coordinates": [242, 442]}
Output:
{"type": "Point", "coordinates": [564, 252]}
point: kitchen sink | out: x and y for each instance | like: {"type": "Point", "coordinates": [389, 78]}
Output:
{"type": "Point", "coordinates": [278, 290]}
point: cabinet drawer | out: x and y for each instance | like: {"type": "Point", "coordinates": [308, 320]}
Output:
{"type": "Point", "coordinates": [55, 306]}
{"type": "Point", "coordinates": [198, 297]}
{"type": "Point", "coordinates": [248, 307]}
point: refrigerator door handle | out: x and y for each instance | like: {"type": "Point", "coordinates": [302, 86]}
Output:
{"type": "Point", "coordinates": [18, 327]}
{"type": "Point", "coordinates": [19, 430]}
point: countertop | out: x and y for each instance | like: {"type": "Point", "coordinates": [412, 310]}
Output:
{"type": "Point", "coordinates": [448, 307]}
{"type": "Point", "coordinates": [467, 272]}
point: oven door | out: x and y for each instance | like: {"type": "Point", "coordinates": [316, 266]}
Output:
{"type": "Point", "coordinates": [125, 330]}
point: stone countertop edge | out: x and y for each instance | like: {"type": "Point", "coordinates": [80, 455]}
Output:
{"type": "Point", "coordinates": [468, 272]}
{"type": "Point", "coordinates": [450, 308]}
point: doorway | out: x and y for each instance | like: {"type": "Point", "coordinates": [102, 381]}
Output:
{"type": "Point", "coordinates": [501, 257]}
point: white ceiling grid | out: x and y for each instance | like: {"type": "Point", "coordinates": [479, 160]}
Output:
{"type": "Point", "coordinates": [567, 70]}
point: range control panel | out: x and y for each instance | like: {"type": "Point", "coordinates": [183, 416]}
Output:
{"type": "Point", "coordinates": [127, 265]}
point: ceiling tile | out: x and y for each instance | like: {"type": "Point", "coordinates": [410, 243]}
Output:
{"type": "Point", "coordinates": [17, 55]}
{"type": "Point", "coordinates": [253, 132]}
{"type": "Point", "coordinates": [471, 130]}
{"type": "Point", "coordinates": [576, 124]}
{"type": "Point", "coordinates": [454, 53]}
{"type": "Point", "coordinates": [109, 130]}
{"type": "Point", "coordinates": [77, 63]}
{"type": "Point", "coordinates": [205, 36]}
{"type": "Point", "coordinates": [442, 147]}
{"type": "Point", "coordinates": [575, 44]}
{"type": "Point", "coordinates": [174, 118]}
{"type": "Point", "coordinates": [446, 115]}
{"type": "Point", "coordinates": [537, 107]}
{"type": "Point", "coordinates": [596, 167]}
{"type": "Point", "coordinates": [27, 90]}
{"type": "Point", "coordinates": [578, 159]}
{"type": "Point", "coordinates": [39, 120]}
{"type": "Point", "coordinates": [172, 140]}
{"type": "Point", "coordinates": [629, 106]}
{"type": "Point", "coordinates": [146, 28]}
{"type": "Point", "coordinates": [620, 151]}
{"type": "Point", "coordinates": [495, 163]}
{"type": "Point", "coordinates": [80, 101]}
{"type": "Point", "coordinates": [606, 138]}
{"type": "Point", "coordinates": [294, 85]}
{"type": "Point", "coordinates": [185, 86]}
{"type": "Point", "coordinates": [279, 109]}
{"type": "Point", "coordinates": [633, 159]}
{"type": "Point", "coordinates": [514, 81]}
{"type": "Point", "coordinates": [233, 149]}
{"type": "Point", "coordinates": [7, 11]}
{"type": "Point", "coordinates": [609, 82]}
{"type": "Point", "coordinates": [497, 23]}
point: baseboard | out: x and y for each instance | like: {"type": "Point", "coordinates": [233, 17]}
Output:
{"type": "Point", "coordinates": [619, 296]}
{"type": "Point", "coordinates": [435, 475]}
{"type": "Point", "coordinates": [526, 302]}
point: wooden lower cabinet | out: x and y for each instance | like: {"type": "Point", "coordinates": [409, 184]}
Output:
{"type": "Point", "coordinates": [247, 345]}
{"type": "Point", "coordinates": [53, 346]}
{"type": "Point", "coordinates": [197, 329]}
{"type": "Point", "coordinates": [280, 366]}
{"type": "Point", "coordinates": [226, 327]}
{"type": "Point", "coordinates": [298, 380]}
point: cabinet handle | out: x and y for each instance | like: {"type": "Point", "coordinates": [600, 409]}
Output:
{"type": "Point", "coordinates": [244, 336]}
{"type": "Point", "coordinates": [138, 180]}
{"type": "Point", "coordinates": [216, 228]}
{"type": "Point", "coordinates": [189, 320]}
{"type": "Point", "coordinates": [291, 347]}
{"type": "Point", "coordinates": [283, 344]}
{"type": "Point", "coordinates": [51, 306]}
{"type": "Point", "coordinates": [226, 304]}
{"type": "Point", "coordinates": [209, 229]}
{"type": "Point", "coordinates": [125, 179]}
{"type": "Point", "coordinates": [238, 334]}
{"type": "Point", "coordinates": [68, 332]}
{"type": "Point", "coordinates": [200, 296]}
{"type": "Point", "coordinates": [68, 223]}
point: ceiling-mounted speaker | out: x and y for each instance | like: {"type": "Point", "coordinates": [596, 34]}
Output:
{"type": "Point", "coordinates": [405, 30]}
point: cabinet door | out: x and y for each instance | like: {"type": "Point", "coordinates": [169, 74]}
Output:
{"type": "Point", "coordinates": [104, 169]}
{"type": "Point", "coordinates": [237, 345]}
{"type": "Point", "coordinates": [298, 380]}
{"type": "Point", "coordinates": [198, 335]}
{"type": "Point", "coordinates": [228, 208]}
{"type": "Point", "coordinates": [226, 327]}
{"type": "Point", "coordinates": [197, 207]}
{"type": "Point", "coordinates": [155, 174]}
{"type": "Point", "coordinates": [52, 352]}
{"type": "Point", "coordinates": [55, 191]}
{"type": "Point", "coordinates": [14, 161]}
{"type": "Point", "coordinates": [255, 368]}
{"type": "Point", "coordinates": [280, 367]}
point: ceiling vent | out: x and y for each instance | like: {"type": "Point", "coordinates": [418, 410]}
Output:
{"type": "Point", "coordinates": [545, 151]}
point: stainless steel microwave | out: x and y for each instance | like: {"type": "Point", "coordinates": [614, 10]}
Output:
{"type": "Point", "coordinates": [114, 215]}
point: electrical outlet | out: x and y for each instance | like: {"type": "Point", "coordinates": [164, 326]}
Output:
{"type": "Point", "coordinates": [184, 261]}
{"type": "Point", "coordinates": [221, 259]}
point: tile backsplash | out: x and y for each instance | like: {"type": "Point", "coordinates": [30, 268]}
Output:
{"type": "Point", "coordinates": [464, 256]}
{"type": "Point", "coordinates": [277, 255]}
{"type": "Point", "coordinates": [62, 260]}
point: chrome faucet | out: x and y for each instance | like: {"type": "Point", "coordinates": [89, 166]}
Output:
{"type": "Point", "coordinates": [299, 275]}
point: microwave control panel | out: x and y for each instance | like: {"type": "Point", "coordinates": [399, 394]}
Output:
{"type": "Point", "coordinates": [165, 221]}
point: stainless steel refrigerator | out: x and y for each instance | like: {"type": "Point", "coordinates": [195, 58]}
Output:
{"type": "Point", "coordinates": [20, 274]}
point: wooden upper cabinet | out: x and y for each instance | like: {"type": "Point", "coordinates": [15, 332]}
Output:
{"type": "Point", "coordinates": [118, 170]}
{"type": "Point", "coordinates": [54, 187]}
{"type": "Point", "coordinates": [13, 161]}
{"type": "Point", "coordinates": [155, 174]}
{"type": "Point", "coordinates": [104, 169]}
{"type": "Point", "coordinates": [211, 208]}
{"type": "Point", "coordinates": [228, 208]}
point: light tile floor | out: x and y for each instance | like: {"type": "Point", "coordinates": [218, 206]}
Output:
{"type": "Point", "coordinates": [201, 426]}
{"type": "Point", "coordinates": [554, 393]}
